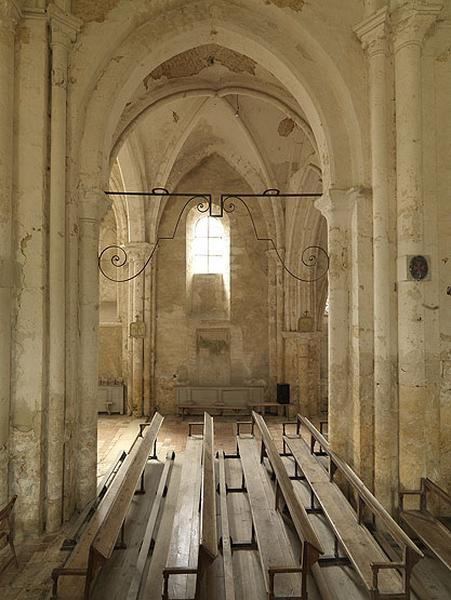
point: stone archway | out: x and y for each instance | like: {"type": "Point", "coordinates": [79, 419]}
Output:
{"type": "Point", "coordinates": [98, 101]}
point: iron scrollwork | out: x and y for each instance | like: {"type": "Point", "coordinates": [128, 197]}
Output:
{"type": "Point", "coordinates": [310, 257]}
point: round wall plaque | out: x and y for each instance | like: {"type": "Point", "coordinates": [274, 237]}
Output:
{"type": "Point", "coordinates": [418, 267]}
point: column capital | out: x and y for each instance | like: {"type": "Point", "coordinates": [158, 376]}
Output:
{"type": "Point", "coordinates": [90, 207]}
{"type": "Point", "coordinates": [411, 23]}
{"type": "Point", "coordinates": [10, 14]}
{"type": "Point", "coordinates": [336, 205]}
{"type": "Point", "coordinates": [64, 26]}
{"type": "Point", "coordinates": [372, 32]}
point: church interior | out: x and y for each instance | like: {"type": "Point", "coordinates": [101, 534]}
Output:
{"type": "Point", "coordinates": [225, 299]}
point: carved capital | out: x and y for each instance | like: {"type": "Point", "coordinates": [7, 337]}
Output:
{"type": "Point", "coordinates": [10, 15]}
{"type": "Point", "coordinates": [373, 32]}
{"type": "Point", "coordinates": [336, 206]}
{"type": "Point", "coordinates": [412, 23]}
{"type": "Point", "coordinates": [63, 26]}
{"type": "Point", "coordinates": [92, 206]}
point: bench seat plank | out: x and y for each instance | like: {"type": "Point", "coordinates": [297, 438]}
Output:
{"type": "Point", "coordinates": [272, 539]}
{"type": "Point", "coordinates": [209, 539]}
{"type": "Point", "coordinates": [431, 532]}
{"type": "Point", "coordinates": [357, 542]}
{"type": "Point", "coordinates": [184, 550]}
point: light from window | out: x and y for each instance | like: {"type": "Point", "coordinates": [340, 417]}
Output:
{"type": "Point", "coordinates": [208, 246]}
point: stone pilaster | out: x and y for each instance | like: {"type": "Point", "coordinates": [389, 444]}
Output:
{"type": "Point", "coordinates": [30, 316]}
{"type": "Point", "coordinates": [9, 15]}
{"type": "Point", "coordinates": [373, 33]}
{"type": "Point", "coordinates": [336, 207]}
{"type": "Point", "coordinates": [87, 362]}
{"type": "Point", "coordinates": [411, 24]}
{"type": "Point", "coordinates": [63, 29]}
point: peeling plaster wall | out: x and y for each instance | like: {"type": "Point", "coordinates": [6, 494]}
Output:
{"type": "Point", "coordinates": [242, 340]}
{"type": "Point", "coordinates": [194, 61]}
{"type": "Point", "coordinates": [437, 173]}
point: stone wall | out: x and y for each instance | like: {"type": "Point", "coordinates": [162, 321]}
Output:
{"type": "Point", "coordinates": [195, 344]}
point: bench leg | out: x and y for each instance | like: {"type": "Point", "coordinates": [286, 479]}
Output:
{"type": "Point", "coordinates": [165, 595]}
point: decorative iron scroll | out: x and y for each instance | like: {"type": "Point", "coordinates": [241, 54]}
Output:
{"type": "Point", "coordinates": [118, 256]}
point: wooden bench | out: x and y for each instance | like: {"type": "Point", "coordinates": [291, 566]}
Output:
{"type": "Point", "coordinates": [274, 548]}
{"type": "Point", "coordinates": [194, 527]}
{"type": "Point", "coordinates": [382, 577]}
{"type": "Point", "coordinates": [6, 530]}
{"type": "Point", "coordinates": [187, 409]}
{"type": "Point", "coordinates": [261, 407]}
{"type": "Point", "coordinates": [424, 524]}
{"type": "Point", "coordinates": [97, 542]}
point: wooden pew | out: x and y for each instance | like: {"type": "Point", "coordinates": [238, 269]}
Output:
{"type": "Point", "coordinates": [382, 577]}
{"type": "Point", "coordinates": [99, 538]}
{"type": "Point", "coordinates": [194, 527]}
{"type": "Point", "coordinates": [311, 546]}
{"type": "Point", "coordinates": [6, 530]}
{"type": "Point", "coordinates": [422, 522]}
{"type": "Point", "coordinates": [274, 548]}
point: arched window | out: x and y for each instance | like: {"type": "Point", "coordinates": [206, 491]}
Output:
{"type": "Point", "coordinates": [209, 246]}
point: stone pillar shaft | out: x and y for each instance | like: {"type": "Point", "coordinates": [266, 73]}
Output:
{"type": "Point", "coordinates": [138, 252]}
{"type": "Point", "coordinates": [61, 38]}
{"type": "Point", "coordinates": [372, 33]}
{"type": "Point", "coordinates": [8, 17]}
{"type": "Point", "coordinates": [29, 324]}
{"type": "Point", "coordinates": [87, 363]}
{"type": "Point", "coordinates": [336, 207]}
{"type": "Point", "coordinates": [413, 401]}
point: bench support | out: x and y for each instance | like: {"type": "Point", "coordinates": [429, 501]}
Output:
{"type": "Point", "coordinates": [273, 571]}
{"type": "Point", "coordinates": [174, 571]}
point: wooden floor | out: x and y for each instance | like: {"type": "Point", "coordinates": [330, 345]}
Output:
{"type": "Point", "coordinates": [38, 557]}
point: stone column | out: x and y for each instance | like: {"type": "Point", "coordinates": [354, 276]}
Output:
{"type": "Point", "coordinates": [9, 15]}
{"type": "Point", "coordinates": [149, 319]}
{"type": "Point", "coordinates": [87, 361]}
{"type": "Point", "coordinates": [272, 318]}
{"type": "Point", "coordinates": [138, 252]}
{"type": "Point", "coordinates": [411, 25]}
{"type": "Point", "coordinates": [30, 318]}
{"type": "Point", "coordinates": [63, 32]}
{"type": "Point", "coordinates": [372, 33]}
{"type": "Point", "coordinates": [336, 206]}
